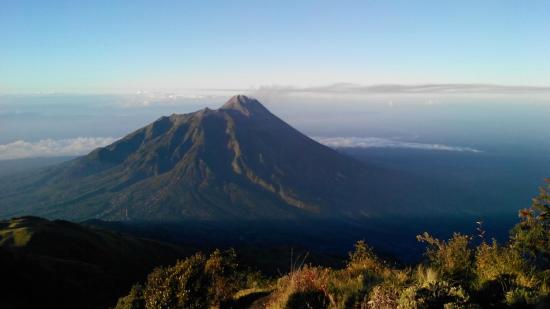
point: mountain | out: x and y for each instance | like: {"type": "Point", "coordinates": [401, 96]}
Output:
{"type": "Point", "coordinates": [238, 162]}
{"type": "Point", "coordinates": [58, 264]}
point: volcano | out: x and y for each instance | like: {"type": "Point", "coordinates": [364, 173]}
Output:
{"type": "Point", "coordinates": [238, 162]}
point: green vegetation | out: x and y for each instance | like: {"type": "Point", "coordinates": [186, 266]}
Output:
{"type": "Point", "coordinates": [456, 273]}
{"type": "Point", "coordinates": [15, 233]}
{"type": "Point", "coordinates": [199, 281]}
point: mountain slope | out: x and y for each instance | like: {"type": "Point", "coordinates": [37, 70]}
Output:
{"type": "Point", "coordinates": [58, 264]}
{"type": "Point", "coordinates": [237, 162]}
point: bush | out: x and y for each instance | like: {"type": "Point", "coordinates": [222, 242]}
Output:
{"type": "Point", "coordinates": [521, 297]}
{"type": "Point", "coordinates": [498, 270]}
{"type": "Point", "coordinates": [531, 237]}
{"type": "Point", "coordinates": [134, 300]}
{"type": "Point", "coordinates": [493, 262]}
{"type": "Point", "coordinates": [437, 294]}
{"type": "Point", "coordinates": [196, 282]}
{"type": "Point", "coordinates": [353, 286]}
{"type": "Point", "coordinates": [221, 268]}
{"type": "Point", "coordinates": [184, 285]}
{"type": "Point", "coordinates": [306, 287]}
{"type": "Point", "coordinates": [364, 259]}
{"type": "Point", "coordinates": [453, 259]}
{"type": "Point", "coordinates": [382, 297]}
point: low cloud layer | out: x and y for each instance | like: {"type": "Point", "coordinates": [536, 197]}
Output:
{"type": "Point", "coordinates": [376, 142]}
{"type": "Point", "coordinates": [52, 148]}
{"type": "Point", "coordinates": [147, 99]}
{"type": "Point", "coordinates": [348, 88]}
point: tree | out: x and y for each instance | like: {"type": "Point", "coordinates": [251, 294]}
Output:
{"type": "Point", "coordinates": [531, 237]}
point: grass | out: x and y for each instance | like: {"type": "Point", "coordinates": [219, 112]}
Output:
{"type": "Point", "coordinates": [17, 232]}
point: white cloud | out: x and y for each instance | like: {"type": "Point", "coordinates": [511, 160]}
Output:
{"type": "Point", "coordinates": [52, 148]}
{"type": "Point", "coordinates": [349, 88]}
{"type": "Point", "coordinates": [148, 99]}
{"type": "Point", "coordinates": [376, 142]}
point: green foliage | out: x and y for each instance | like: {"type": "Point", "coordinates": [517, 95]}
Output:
{"type": "Point", "coordinates": [184, 285]}
{"type": "Point", "coordinates": [521, 296]}
{"type": "Point", "coordinates": [221, 268]}
{"type": "Point", "coordinates": [531, 237]}
{"type": "Point", "coordinates": [196, 282]}
{"type": "Point", "coordinates": [365, 282]}
{"type": "Point", "coordinates": [382, 297]}
{"type": "Point", "coordinates": [363, 259]}
{"type": "Point", "coordinates": [453, 258]}
{"type": "Point", "coordinates": [493, 261]}
{"type": "Point", "coordinates": [503, 274]}
{"type": "Point", "coordinates": [352, 284]}
{"type": "Point", "coordinates": [436, 294]}
{"type": "Point", "coordinates": [378, 283]}
{"type": "Point", "coordinates": [134, 300]}
{"type": "Point", "coordinates": [15, 232]}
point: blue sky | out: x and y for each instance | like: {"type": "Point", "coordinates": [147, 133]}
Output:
{"type": "Point", "coordinates": [126, 46]}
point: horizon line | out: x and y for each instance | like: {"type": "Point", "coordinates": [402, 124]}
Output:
{"type": "Point", "coordinates": [333, 88]}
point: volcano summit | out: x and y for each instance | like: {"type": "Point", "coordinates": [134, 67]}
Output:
{"type": "Point", "coordinates": [236, 162]}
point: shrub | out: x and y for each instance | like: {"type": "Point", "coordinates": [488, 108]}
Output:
{"type": "Point", "coordinates": [493, 261]}
{"type": "Point", "coordinates": [531, 237]}
{"type": "Point", "coordinates": [453, 259]}
{"type": "Point", "coordinates": [306, 287]}
{"type": "Point", "coordinates": [520, 297]}
{"type": "Point", "coordinates": [351, 285]}
{"type": "Point", "coordinates": [426, 275]}
{"type": "Point", "coordinates": [518, 274]}
{"type": "Point", "coordinates": [498, 270]}
{"type": "Point", "coordinates": [224, 277]}
{"type": "Point", "coordinates": [367, 281]}
{"type": "Point", "coordinates": [382, 297]}
{"type": "Point", "coordinates": [134, 300]}
{"type": "Point", "coordinates": [196, 282]}
{"type": "Point", "coordinates": [364, 259]}
{"type": "Point", "coordinates": [184, 285]}
{"type": "Point", "coordinates": [437, 294]}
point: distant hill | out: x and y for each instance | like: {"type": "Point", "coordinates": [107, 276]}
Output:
{"type": "Point", "coordinates": [58, 264]}
{"type": "Point", "coordinates": [239, 162]}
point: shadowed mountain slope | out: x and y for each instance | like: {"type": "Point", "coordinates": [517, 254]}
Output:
{"type": "Point", "coordinates": [238, 162]}
{"type": "Point", "coordinates": [58, 264]}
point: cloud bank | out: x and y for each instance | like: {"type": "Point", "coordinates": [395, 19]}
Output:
{"type": "Point", "coordinates": [376, 142]}
{"type": "Point", "coordinates": [52, 148]}
{"type": "Point", "coordinates": [82, 145]}
{"type": "Point", "coordinates": [147, 99]}
{"type": "Point", "coordinates": [349, 88]}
